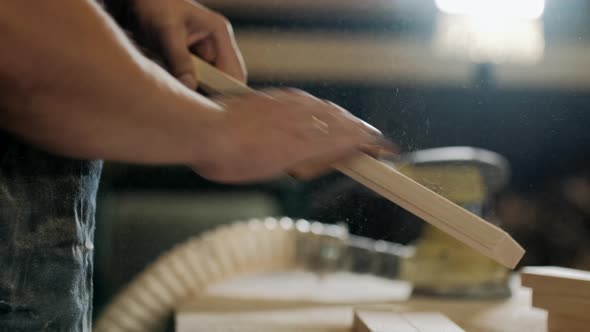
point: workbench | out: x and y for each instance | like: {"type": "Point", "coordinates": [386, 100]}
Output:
{"type": "Point", "coordinates": [303, 301]}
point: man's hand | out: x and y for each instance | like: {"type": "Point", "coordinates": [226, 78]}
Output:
{"type": "Point", "coordinates": [181, 27]}
{"type": "Point", "coordinates": [74, 85]}
{"type": "Point", "coordinates": [265, 133]}
{"type": "Point", "coordinates": [274, 130]}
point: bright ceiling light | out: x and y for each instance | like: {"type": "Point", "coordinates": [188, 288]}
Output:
{"type": "Point", "coordinates": [480, 40]}
{"type": "Point", "coordinates": [530, 9]}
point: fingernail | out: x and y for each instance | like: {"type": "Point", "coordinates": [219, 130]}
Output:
{"type": "Point", "coordinates": [389, 145]}
{"type": "Point", "coordinates": [189, 81]}
{"type": "Point", "coordinates": [382, 146]}
{"type": "Point", "coordinates": [372, 130]}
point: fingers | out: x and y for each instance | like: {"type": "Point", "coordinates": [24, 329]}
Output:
{"type": "Point", "coordinates": [215, 44]}
{"type": "Point", "coordinates": [320, 117]}
{"type": "Point", "coordinates": [178, 56]}
{"type": "Point", "coordinates": [204, 49]}
{"type": "Point", "coordinates": [382, 149]}
{"type": "Point", "coordinates": [327, 111]}
{"type": "Point", "coordinates": [291, 130]}
{"type": "Point", "coordinates": [315, 167]}
{"type": "Point", "coordinates": [309, 169]}
{"type": "Point", "coordinates": [183, 27]}
{"type": "Point", "coordinates": [228, 56]}
{"type": "Point", "coordinates": [344, 114]}
{"type": "Point", "coordinates": [343, 134]}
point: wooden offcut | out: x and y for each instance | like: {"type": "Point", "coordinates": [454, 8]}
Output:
{"type": "Point", "coordinates": [564, 293]}
{"type": "Point", "coordinates": [564, 323]}
{"type": "Point", "coordinates": [398, 188]}
{"type": "Point", "coordinates": [375, 321]}
{"type": "Point", "coordinates": [565, 305]}
{"type": "Point", "coordinates": [389, 321]}
{"type": "Point", "coordinates": [557, 281]}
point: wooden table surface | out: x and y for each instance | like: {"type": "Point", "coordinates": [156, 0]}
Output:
{"type": "Point", "coordinates": [301, 301]}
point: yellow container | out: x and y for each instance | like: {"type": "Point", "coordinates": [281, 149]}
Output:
{"type": "Point", "coordinates": [441, 265]}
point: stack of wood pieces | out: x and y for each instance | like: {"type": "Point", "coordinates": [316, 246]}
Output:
{"type": "Point", "coordinates": [564, 293]}
{"type": "Point", "coordinates": [389, 321]}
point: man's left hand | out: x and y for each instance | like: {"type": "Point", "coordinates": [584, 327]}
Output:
{"type": "Point", "coordinates": [181, 28]}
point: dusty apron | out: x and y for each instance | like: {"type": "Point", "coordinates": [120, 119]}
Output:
{"type": "Point", "coordinates": [47, 206]}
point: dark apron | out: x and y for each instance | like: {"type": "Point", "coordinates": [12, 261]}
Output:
{"type": "Point", "coordinates": [47, 206]}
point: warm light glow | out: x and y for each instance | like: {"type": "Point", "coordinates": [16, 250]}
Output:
{"type": "Point", "coordinates": [493, 8]}
{"type": "Point", "coordinates": [496, 40]}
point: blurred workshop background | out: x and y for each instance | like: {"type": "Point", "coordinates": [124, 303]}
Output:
{"type": "Point", "coordinates": [512, 78]}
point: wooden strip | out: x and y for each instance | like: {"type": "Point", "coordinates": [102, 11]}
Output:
{"type": "Point", "coordinates": [559, 281]}
{"type": "Point", "coordinates": [433, 208]}
{"type": "Point", "coordinates": [398, 188]}
{"type": "Point", "coordinates": [556, 272]}
{"type": "Point", "coordinates": [368, 320]}
{"type": "Point", "coordinates": [564, 305]}
{"type": "Point", "coordinates": [563, 323]}
{"type": "Point", "coordinates": [431, 322]}
{"type": "Point", "coordinates": [381, 321]}
{"type": "Point", "coordinates": [305, 319]}
{"type": "Point", "coordinates": [215, 82]}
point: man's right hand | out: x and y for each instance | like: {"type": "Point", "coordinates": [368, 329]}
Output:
{"type": "Point", "coordinates": [268, 133]}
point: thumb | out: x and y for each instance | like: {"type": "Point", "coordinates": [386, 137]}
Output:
{"type": "Point", "coordinates": [179, 57]}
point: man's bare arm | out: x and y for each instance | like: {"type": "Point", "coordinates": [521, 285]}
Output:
{"type": "Point", "coordinates": [71, 83]}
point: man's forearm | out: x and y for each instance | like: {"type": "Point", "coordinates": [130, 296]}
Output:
{"type": "Point", "coordinates": [71, 83]}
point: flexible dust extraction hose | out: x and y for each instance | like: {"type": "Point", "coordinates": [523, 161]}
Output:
{"type": "Point", "coordinates": [189, 268]}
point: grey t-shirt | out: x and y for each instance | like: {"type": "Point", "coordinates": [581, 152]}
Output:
{"type": "Point", "coordinates": [47, 206]}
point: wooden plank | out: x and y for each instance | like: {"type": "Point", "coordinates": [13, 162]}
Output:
{"type": "Point", "coordinates": [556, 272]}
{"type": "Point", "coordinates": [305, 319]}
{"type": "Point", "coordinates": [564, 305]}
{"type": "Point", "coordinates": [381, 321]}
{"type": "Point", "coordinates": [267, 293]}
{"type": "Point", "coordinates": [552, 280]}
{"type": "Point", "coordinates": [434, 209]}
{"type": "Point", "coordinates": [215, 82]}
{"type": "Point", "coordinates": [370, 320]}
{"type": "Point", "coordinates": [563, 323]}
{"type": "Point", "coordinates": [398, 188]}
{"type": "Point", "coordinates": [431, 322]}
